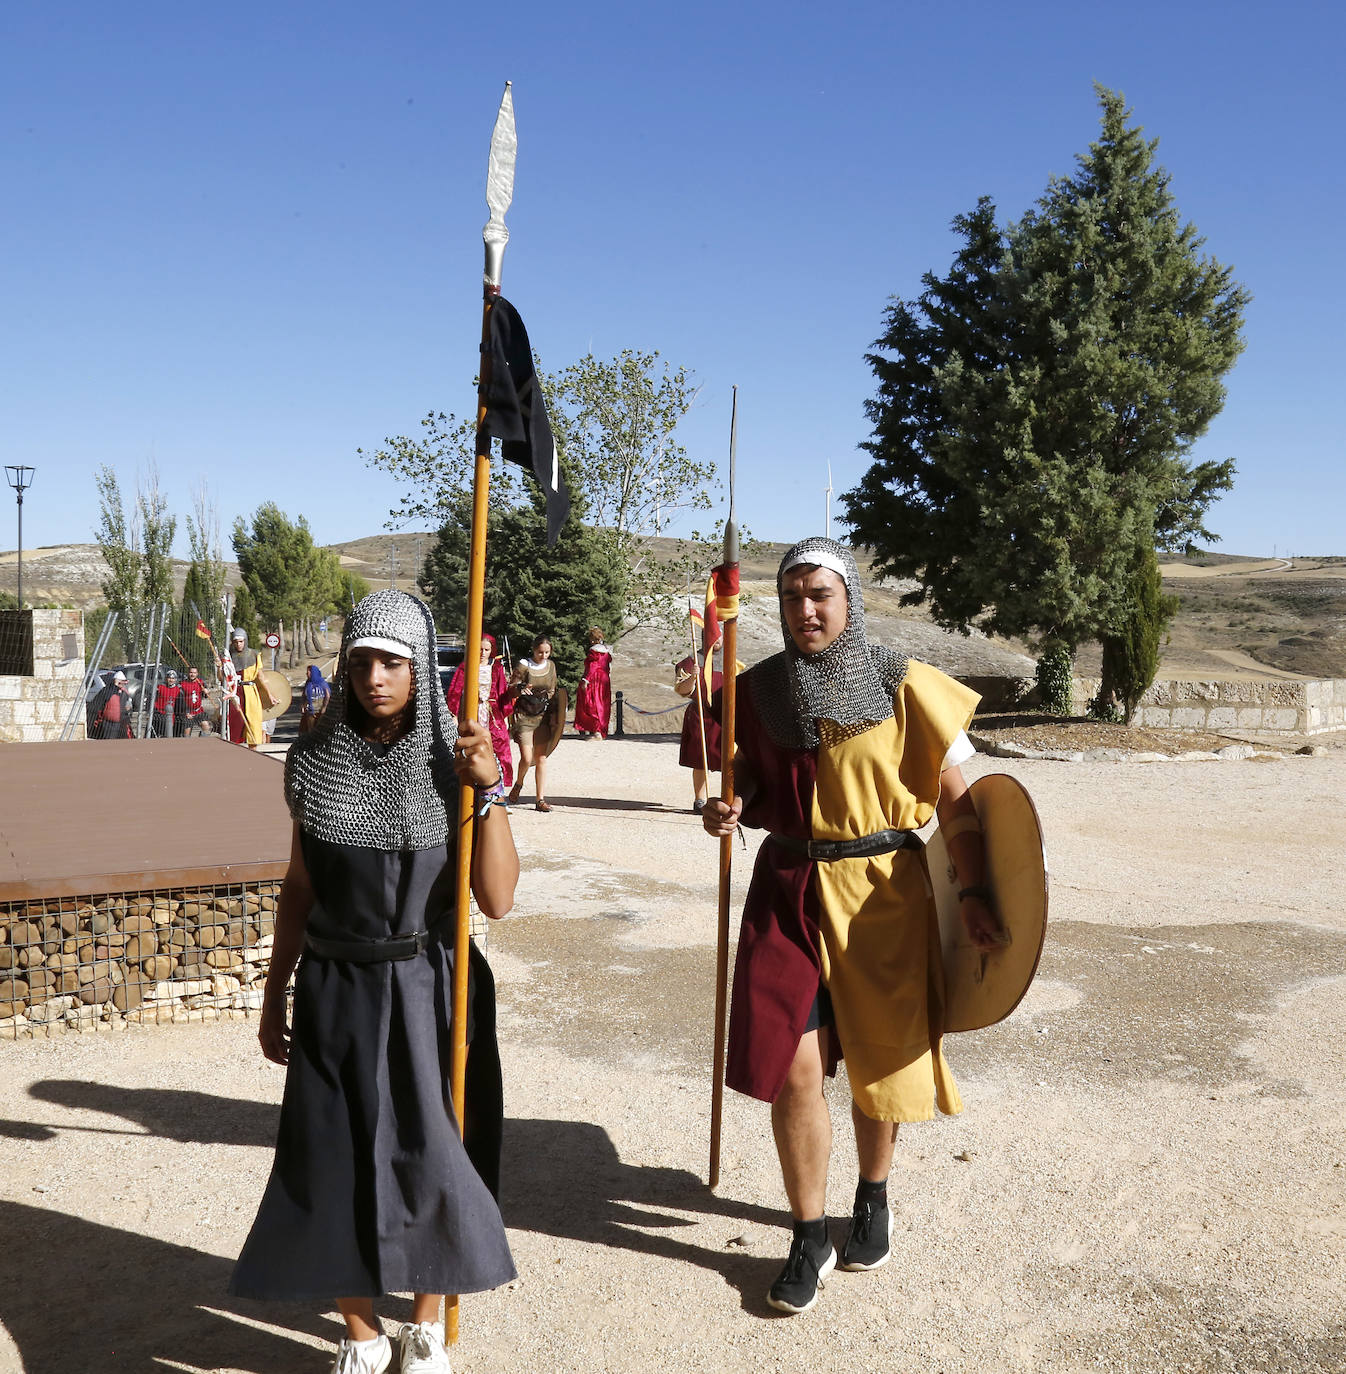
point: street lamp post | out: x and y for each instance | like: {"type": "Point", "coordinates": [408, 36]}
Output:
{"type": "Point", "coordinates": [19, 478]}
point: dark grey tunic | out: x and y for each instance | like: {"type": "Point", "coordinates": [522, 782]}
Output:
{"type": "Point", "coordinates": [372, 1191]}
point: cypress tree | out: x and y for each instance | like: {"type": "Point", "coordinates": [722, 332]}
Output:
{"type": "Point", "coordinates": [1131, 655]}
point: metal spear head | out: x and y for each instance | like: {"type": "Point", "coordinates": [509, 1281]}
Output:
{"type": "Point", "coordinates": [729, 553]}
{"type": "Point", "coordinates": [499, 188]}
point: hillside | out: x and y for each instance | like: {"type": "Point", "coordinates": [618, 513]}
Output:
{"type": "Point", "coordinates": [1238, 617]}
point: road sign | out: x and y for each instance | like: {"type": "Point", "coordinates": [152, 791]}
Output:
{"type": "Point", "coordinates": [273, 641]}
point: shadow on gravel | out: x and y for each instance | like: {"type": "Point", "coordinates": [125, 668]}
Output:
{"type": "Point", "coordinates": [170, 1113]}
{"type": "Point", "coordinates": [72, 1291]}
{"type": "Point", "coordinates": [566, 1179]}
{"type": "Point", "coordinates": [605, 804]}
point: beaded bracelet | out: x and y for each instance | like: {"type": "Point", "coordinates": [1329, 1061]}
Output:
{"type": "Point", "coordinates": [487, 797]}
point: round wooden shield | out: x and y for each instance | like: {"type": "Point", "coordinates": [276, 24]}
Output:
{"type": "Point", "coordinates": [282, 694]}
{"type": "Point", "coordinates": [982, 988]}
{"type": "Point", "coordinates": [552, 725]}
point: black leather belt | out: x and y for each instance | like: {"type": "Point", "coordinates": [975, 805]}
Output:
{"type": "Point", "coordinates": [826, 851]}
{"type": "Point", "coordinates": [372, 951]}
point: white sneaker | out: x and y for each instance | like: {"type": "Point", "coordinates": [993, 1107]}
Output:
{"type": "Point", "coordinates": [423, 1349]}
{"type": "Point", "coordinates": [363, 1357]}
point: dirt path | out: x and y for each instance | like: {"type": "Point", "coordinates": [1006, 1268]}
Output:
{"type": "Point", "coordinates": [1149, 1175]}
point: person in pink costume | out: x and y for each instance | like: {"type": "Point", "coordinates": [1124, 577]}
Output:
{"type": "Point", "coordinates": [593, 700]}
{"type": "Point", "coordinates": [492, 706]}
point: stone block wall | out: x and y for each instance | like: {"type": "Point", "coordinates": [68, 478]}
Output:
{"type": "Point", "coordinates": [34, 707]}
{"type": "Point", "coordinates": [1287, 706]}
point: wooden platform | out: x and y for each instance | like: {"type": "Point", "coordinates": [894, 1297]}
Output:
{"type": "Point", "coordinates": [100, 816]}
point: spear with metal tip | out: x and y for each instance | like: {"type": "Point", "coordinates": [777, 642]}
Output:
{"type": "Point", "coordinates": [726, 606]}
{"type": "Point", "coordinates": [499, 193]}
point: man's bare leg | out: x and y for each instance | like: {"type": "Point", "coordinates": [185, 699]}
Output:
{"type": "Point", "coordinates": [875, 1142]}
{"type": "Point", "coordinates": [869, 1243]}
{"type": "Point", "coordinates": [803, 1128]}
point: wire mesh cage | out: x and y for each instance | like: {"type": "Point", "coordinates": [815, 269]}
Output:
{"type": "Point", "coordinates": [103, 962]}
{"type": "Point", "coordinates": [132, 958]}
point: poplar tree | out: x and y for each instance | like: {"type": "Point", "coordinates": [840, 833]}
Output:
{"type": "Point", "coordinates": [1036, 408]}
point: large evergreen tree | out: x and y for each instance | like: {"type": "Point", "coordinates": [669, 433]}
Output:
{"type": "Point", "coordinates": [530, 589]}
{"type": "Point", "coordinates": [1036, 407]}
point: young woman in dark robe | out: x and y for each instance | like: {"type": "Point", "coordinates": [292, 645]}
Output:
{"type": "Point", "coordinates": [372, 1189]}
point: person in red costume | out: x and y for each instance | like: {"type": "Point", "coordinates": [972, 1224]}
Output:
{"type": "Point", "coordinates": [166, 706]}
{"type": "Point", "coordinates": [492, 706]}
{"type": "Point", "coordinates": [192, 704]}
{"type": "Point", "coordinates": [689, 682]}
{"type": "Point", "coordinates": [593, 700]}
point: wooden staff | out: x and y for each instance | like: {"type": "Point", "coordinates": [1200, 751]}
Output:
{"type": "Point", "coordinates": [499, 193]}
{"type": "Point", "coordinates": [727, 573]}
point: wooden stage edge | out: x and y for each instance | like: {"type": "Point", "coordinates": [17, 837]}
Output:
{"type": "Point", "coordinates": [102, 817]}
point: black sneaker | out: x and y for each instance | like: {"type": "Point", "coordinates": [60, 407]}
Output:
{"type": "Point", "coordinates": [698, 806]}
{"type": "Point", "coordinates": [796, 1290]}
{"type": "Point", "coordinates": [868, 1245]}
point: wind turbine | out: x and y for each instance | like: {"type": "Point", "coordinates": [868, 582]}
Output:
{"type": "Point", "coordinates": [827, 504]}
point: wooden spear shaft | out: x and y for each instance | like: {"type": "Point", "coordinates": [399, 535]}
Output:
{"type": "Point", "coordinates": [499, 191]}
{"type": "Point", "coordinates": [728, 702]}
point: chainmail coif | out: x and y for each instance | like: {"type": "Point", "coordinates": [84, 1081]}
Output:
{"type": "Point", "coordinates": [344, 789]}
{"type": "Point", "coordinates": [850, 683]}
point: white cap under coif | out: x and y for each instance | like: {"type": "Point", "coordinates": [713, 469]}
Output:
{"type": "Point", "coordinates": [389, 646]}
{"type": "Point", "coordinates": [822, 558]}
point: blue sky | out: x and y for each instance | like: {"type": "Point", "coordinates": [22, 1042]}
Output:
{"type": "Point", "coordinates": [243, 241]}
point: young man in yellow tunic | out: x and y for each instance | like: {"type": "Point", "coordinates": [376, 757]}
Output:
{"type": "Point", "coordinates": [844, 749]}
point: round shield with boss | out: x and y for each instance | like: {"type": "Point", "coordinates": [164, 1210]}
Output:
{"type": "Point", "coordinates": [982, 987]}
{"type": "Point", "coordinates": [552, 725]}
{"type": "Point", "coordinates": [278, 686]}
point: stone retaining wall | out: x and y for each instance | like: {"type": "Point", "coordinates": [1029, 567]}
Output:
{"type": "Point", "coordinates": [34, 707]}
{"type": "Point", "coordinates": [89, 962]}
{"type": "Point", "coordinates": [1288, 706]}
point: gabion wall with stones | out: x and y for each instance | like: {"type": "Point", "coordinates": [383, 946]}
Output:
{"type": "Point", "coordinates": [99, 962]}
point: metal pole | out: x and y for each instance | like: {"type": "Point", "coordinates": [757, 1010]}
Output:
{"type": "Point", "coordinates": [618, 733]}
{"type": "Point", "coordinates": [19, 477]}
{"type": "Point", "coordinates": [164, 609]}
{"type": "Point", "coordinates": [90, 672]}
{"type": "Point", "coordinates": [144, 670]}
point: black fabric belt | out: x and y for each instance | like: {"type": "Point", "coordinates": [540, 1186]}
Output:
{"type": "Point", "coordinates": [826, 851]}
{"type": "Point", "coordinates": [372, 951]}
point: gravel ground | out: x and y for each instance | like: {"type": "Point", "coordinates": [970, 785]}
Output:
{"type": "Point", "coordinates": [1148, 1175]}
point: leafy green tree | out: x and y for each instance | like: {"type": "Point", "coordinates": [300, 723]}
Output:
{"type": "Point", "coordinates": [1037, 406]}
{"type": "Point", "coordinates": [615, 423]}
{"type": "Point", "coordinates": [119, 542]}
{"type": "Point", "coordinates": [203, 590]}
{"type": "Point", "coordinates": [244, 617]}
{"type": "Point", "coordinates": [157, 531]}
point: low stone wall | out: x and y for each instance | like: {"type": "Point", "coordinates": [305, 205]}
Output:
{"type": "Point", "coordinates": [34, 707]}
{"type": "Point", "coordinates": [88, 962]}
{"type": "Point", "coordinates": [1287, 706]}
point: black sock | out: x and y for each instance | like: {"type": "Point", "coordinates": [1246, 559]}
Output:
{"type": "Point", "coordinates": [865, 1191]}
{"type": "Point", "coordinates": [815, 1232]}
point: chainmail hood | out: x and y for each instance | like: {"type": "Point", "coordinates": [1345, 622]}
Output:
{"type": "Point", "coordinates": [344, 789]}
{"type": "Point", "coordinates": [850, 683]}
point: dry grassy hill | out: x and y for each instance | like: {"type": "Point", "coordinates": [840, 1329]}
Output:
{"type": "Point", "coordinates": [1238, 616]}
